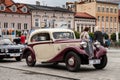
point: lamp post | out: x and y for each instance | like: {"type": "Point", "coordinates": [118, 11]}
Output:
{"type": "Point", "coordinates": [117, 37]}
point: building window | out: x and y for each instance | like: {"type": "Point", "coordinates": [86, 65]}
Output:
{"type": "Point", "coordinates": [115, 11]}
{"type": "Point", "coordinates": [37, 23]}
{"type": "Point", "coordinates": [25, 26]}
{"type": "Point", "coordinates": [5, 25]}
{"type": "Point", "coordinates": [102, 18]}
{"type": "Point", "coordinates": [78, 27]}
{"type": "Point", "coordinates": [107, 19]}
{"type": "Point", "coordinates": [12, 25]}
{"type": "Point", "coordinates": [111, 10]}
{"type": "Point", "coordinates": [103, 9]}
{"type": "Point", "coordinates": [110, 19]}
{"type": "Point", "coordinates": [2, 7]}
{"type": "Point", "coordinates": [98, 18]}
{"type": "Point", "coordinates": [98, 9]}
{"type": "Point", "coordinates": [115, 19]}
{"type": "Point", "coordinates": [24, 9]}
{"type": "Point", "coordinates": [107, 10]}
{"type": "Point", "coordinates": [19, 25]}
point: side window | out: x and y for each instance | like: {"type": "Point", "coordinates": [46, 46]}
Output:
{"type": "Point", "coordinates": [40, 37]}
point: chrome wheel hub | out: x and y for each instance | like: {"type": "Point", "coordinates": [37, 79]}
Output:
{"type": "Point", "coordinates": [29, 58]}
{"type": "Point", "coordinates": [71, 61]}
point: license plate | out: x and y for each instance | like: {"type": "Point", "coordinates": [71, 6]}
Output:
{"type": "Point", "coordinates": [14, 55]}
{"type": "Point", "coordinates": [94, 61]}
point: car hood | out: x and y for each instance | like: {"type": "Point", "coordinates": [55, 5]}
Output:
{"type": "Point", "coordinates": [12, 46]}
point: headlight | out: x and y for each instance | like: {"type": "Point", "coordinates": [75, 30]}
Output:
{"type": "Point", "coordinates": [83, 44]}
{"type": "Point", "coordinates": [6, 50]}
{"type": "Point", "coordinates": [97, 44]}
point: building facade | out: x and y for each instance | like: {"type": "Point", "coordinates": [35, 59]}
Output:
{"type": "Point", "coordinates": [14, 18]}
{"type": "Point", "coordinates": [51, 17]}
{"type": "Point", "coordinates": [83, 20]}
{"type": "Point", "coordinates": [106, 13]}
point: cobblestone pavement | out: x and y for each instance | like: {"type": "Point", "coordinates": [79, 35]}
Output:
{"type": "Point", "coordinates": [48, 72]}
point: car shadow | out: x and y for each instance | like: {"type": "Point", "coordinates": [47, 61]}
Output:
{"type": "Point", "coordinates": [7, 60]}
{"type": "Point", "coordinates": [63, 67]}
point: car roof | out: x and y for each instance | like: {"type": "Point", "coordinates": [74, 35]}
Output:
{"type": "Point", "coordinates": [51, 30]}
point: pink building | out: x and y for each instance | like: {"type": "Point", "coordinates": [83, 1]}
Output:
{"type": "Point", "coordinates": [14, 18]}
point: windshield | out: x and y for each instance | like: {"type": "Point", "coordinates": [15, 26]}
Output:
{"type": "Point", "coordinates": [5, 42]}
{"type": "Point", "coordinates": [63, 35]}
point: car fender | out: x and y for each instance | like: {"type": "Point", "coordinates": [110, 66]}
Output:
{"type": "Point", "coordinates": [62, 53]}
{"type": "Point", "coordinates": [28, 48]}
{"type": "Point", "coordinates": [102, 51]}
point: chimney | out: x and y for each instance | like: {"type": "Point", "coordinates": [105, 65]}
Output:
{"type": "Point", "coordinates": [37, 3]}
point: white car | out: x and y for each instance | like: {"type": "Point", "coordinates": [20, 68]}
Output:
{"type": "Point", "coordinates": [60, 45]}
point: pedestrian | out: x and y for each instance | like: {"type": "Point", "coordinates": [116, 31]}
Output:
{"type": "Point", "coordinates": [22, 38]}
{"type": "Point", "coordinates": [17, 40]}
{"type": "Point", "coordinates": [84, 35]}
{"type": "Point", "coordinates": [98, 36]}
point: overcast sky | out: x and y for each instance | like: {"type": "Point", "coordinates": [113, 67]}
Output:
{"type": "Point", "coordinates": [45, 2]}
{"type": "Point", "coordinates": [52, 2]}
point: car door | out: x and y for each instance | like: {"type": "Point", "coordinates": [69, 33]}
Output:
{"type": "Point", "coordinates": [44, 49]}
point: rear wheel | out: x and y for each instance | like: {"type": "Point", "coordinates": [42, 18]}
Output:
{"type": "Point", "coordinates": [72, 61]}
{"type": "Point", "coordinates": [29, 59]}
{"type": "Point", "coordinates": [102, 64]}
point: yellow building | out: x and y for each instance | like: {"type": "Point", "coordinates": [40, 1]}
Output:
{"type": "Point", "coordinates": [106, 13]}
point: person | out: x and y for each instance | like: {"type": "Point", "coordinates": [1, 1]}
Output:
{"type": "Point", "coordinates": [98, 36]}
{"type": "Point", "coordinates": [22, 38]}
{"type": "Point", "coordinates": [16, 40]}
{"type": "Point", "coordinates": [84, 35]}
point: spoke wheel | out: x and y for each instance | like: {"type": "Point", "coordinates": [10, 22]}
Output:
{"type": "Point", "coordinates": [102, 64]}
{"type": "Point", "coordinates": [72, 62]}
{"type": "Point", "coordinates": [29, 59]}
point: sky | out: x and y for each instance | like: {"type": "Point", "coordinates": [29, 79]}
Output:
{"type": "Point", "coordinates": [45, 2]}
{"type": "Point", "coordinates": [52, 2]}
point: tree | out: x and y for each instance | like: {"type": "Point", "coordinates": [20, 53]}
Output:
{"type": "Point", "coordinates": [105, 36]}
{"type": "Point", "coordinates": [77, 34]}
{"type": "Point", "coordinates": [113, 37]}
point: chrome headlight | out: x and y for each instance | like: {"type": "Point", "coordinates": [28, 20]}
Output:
{"type": "Point", "coordinates": [97, 44]}
{"type": "Point", "coordinates": [83, 44]}
{"type": "Point", "coordinates": [6, 50]}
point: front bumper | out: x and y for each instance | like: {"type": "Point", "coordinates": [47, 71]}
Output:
{"type": "Point", "coordinates": [10, 55]}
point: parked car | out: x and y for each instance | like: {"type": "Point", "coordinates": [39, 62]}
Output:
{"type": "Point", "coordinates": [60, 45]}
{"type": "Point", "coordinates": [10, 50]}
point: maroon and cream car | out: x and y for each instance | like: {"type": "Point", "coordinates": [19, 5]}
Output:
{"type": "Point", "coordinates": [60, 45]}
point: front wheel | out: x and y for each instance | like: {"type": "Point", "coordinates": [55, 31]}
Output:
{"type": "Point", "coordinates": [29, 59]}
{"type": "Point", "coordinates": [102, 64]}
{"type": "Point", "coordinates": [72, 61]}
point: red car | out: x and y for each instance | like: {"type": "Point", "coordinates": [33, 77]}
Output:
{"type": "Point", "coordinates": [60, 45]}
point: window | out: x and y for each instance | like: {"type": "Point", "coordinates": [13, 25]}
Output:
{"type": "Point", "coordinates": [98, 9]}
{"type": "Point", "coordinates": [115, 19]}
{"type": "Point", "coordinates": [24, 9]}
{"type": "Point", "coordinates": [107, 9]}
{"type": "Point", "coordinates": [40, 37]}
{"type": "Point", "coordinates": [107, 19]}
{"type": "Point", "coordinates": [25, 26]}
{"type": "Point", "coordinates": [102, 18]}
{"type": "Point", "coordinates": [19, 25]}
{"type": "Point", "coordinates": [103, 9]}
{"type": "Point", "coordinates": [12, 25]}
{"type": "Point", "coordinates": [5, 25]}
{"type": "Point", "coordinates": [0, 24]}
{"type": "Point", "coordinates": [98, 18]}
{"type": "Point", "coordinates": [13, 8]}
{"type": "Point", "coordinates": [37, 23]}
{"type": "Point", "coordinates": [2, 7]}
{"type": "Point", "coordinates": [110, 19]}
{"type": "Point", "coordinates": [78, 28]}
{"type": "Point", "coordinates": [111, 10]}
{"type": "Point", "coordinates": [115, 11]}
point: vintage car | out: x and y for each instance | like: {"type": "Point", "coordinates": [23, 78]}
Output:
{"type": "Point", "coordinates": [60, 45]}
{"type": "Point", "coordinates": [10, 50]}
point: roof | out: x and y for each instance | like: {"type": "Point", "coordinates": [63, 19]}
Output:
{"type": "Point", "coordinates": [9, 3]}
{"type": "Point", "coordinates": [107, 2]}
{"type": "Point", "coordinates": [47, 8]}
{"type": "Point", "coordinates": [84, 15]}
